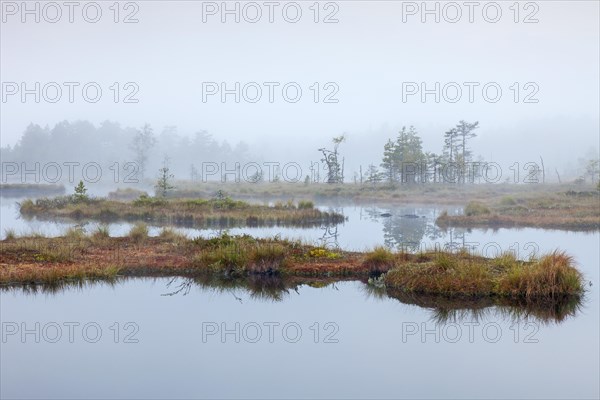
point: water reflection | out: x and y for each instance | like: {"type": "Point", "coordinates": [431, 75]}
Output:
{"type": "Point", "coordinates": [446, 310]}
{"type": "Point", "coordinates": [400, 228]}
{"type": "Point", "coordinates": [330, 237]}
{"type": "Point", "coordinates": [276, 288]}
{"type": "Point", "coordinates": [413, 229]}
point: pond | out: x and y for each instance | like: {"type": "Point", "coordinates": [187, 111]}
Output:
{"type": "Point", "coordinates": [146, 338]}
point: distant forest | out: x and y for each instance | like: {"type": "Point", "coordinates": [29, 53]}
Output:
{"type": "Point", "coordinates": [111, 143]}
{"type": "Point", "coordinates": [121, 152]}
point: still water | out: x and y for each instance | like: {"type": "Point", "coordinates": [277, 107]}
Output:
{"type": "Point", "coordinates": [143, 338]}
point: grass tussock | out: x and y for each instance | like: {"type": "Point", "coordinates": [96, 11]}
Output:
{"type": "Point", "coordinates": [139, 232]}
{"type": "Point", "coordinates": [458, 274]}
{"type": "Point", "coordinates": [10, 234]}
{"type": "Point", "coordinates": [101, 233]}
{"type": "Point", "coordinates": [380, 259]}
{"type": "Point", "coordinates": [74, 234]}
{"type": "Point", "coordinates": [551, 276]}
{"type": "Point", "coordinates": [474, 208]}
{"type": "Point", "coordinates": [243, 255]}
{"type": "Point", "coordinates": [171, 235]}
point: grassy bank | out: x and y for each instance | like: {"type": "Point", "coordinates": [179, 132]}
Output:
{"type": "Point", "coordinates": [223, 212]}
{"type": "Point", "coordinates": [570, 210]}
{"type": "Point", "coordinates": [450, 194]}
{"type": "Point", "coordinates": [38, 260]}
{"type": "Point", "coordinates": [465, 275]}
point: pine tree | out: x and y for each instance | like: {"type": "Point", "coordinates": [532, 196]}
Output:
{"type": "Point", "coordinates": [163, 185]}
{"type": "Point", "coordinates": [80, 192]}
{"type": "Point", "coordinates": [403, 158]}
{"type": "Point", "coordinates": [409, 154]}
{"type": "Point", "coordinates": [388, 163]}
{"type": "Point", "coordinates": [464, 132]}
{"type": "Point", "coordinates": [373, 174]}
{"type": "Point", "coordinates": [449, 156]}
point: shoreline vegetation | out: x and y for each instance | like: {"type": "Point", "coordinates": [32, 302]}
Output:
{"type": "Point", "coordinates": [547, 284]}
{"type": "Point", "coordinates": [441, 194]}
{"type": "Point", "coordinates": [552, 206]}
{"type": "Point", "coordinates": [222, 212]}
{"type": "Point", "coordinates": [571, 210]}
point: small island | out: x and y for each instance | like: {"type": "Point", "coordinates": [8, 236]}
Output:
{"type": "Point", "coordinates": [449, 275]}
{"type": "Point", "coordinates": [220, 211]}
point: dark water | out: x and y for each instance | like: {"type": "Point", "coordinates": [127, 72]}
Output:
{"type": "Point", "coordinates": [344, 340]}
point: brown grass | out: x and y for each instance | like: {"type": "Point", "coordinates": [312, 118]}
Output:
{"type": "Point", "coordinates": [383, 192]}
{"type": "Point", "coordinates": [35, 259]}
{"type": "Point", "coordinates": [380, 259]}
{"type": "Point", "coordinates": [182, 212]}
{"type": "Point", "coordinates": [577, 211]}
{"type": "Point", "coordinates": [449, 274]}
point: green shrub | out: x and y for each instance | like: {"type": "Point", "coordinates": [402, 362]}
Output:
{"type": "Point", "coordinates": [147, 201]}
{"type": "Point", "coordinates": [228, 258]}
{"type": "Point", "coordinates": [306, 205]}
{"type": "Point", "coordinates": [80, 193]}
{"type": "Point", "coordinates": [475, 208]}
{"type": "Point", "coordinates": [508, 201]}
{"type": "Point", "coordinates": [227, 204]}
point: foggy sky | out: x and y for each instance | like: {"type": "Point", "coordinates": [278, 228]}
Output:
{"type": "Point", "coordinates": [368, 54]}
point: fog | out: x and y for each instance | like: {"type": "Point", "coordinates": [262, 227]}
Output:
{"type": "Point", "coordinates": [361, 70]}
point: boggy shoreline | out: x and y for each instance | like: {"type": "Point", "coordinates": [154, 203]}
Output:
{"type": "Point", "coordinates": [450, 276]}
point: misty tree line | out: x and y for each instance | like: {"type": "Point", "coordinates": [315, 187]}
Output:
{"type": "Point", "coordinates": [404, 160]}
{"type": "Point", "coordinates": [108, 143]}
